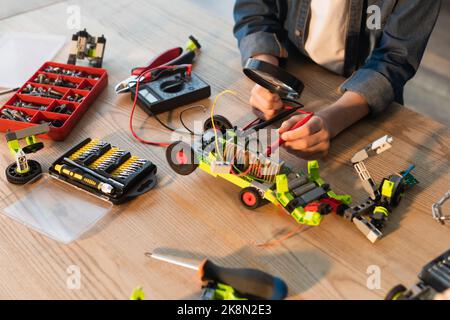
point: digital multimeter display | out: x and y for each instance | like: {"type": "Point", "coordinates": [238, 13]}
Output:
{"type": "Point", "coordinates": [149, 96]}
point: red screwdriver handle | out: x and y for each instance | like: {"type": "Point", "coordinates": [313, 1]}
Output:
{"type": "Point", "coordinates": [252, 283]}
{"type": "Point", "coordinates": [280, 141]}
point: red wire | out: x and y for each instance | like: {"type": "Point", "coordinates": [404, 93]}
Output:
{"type": "Point", "coordinates": [288, 107]}
{"type": "Point", "coordinates": [138, 80]}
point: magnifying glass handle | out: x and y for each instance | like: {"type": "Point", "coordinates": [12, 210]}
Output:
{"type": "Point", "coordinates": [280, 141]}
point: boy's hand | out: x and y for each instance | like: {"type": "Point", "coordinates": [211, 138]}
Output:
{"type": "Point", "coordinates": [310, 141]}
{"type": "Point", "coordinates": [265, 103]}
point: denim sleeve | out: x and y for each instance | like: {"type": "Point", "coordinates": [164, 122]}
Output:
{"type": "Point", "coordinates": [258, 29]}
{"type": "Point", "coordinates": [398, 54]}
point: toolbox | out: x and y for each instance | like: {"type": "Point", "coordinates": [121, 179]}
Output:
{"type": "Point", "coordinates": [105, 170]}
{"type": "Point", "coordinates": [82, 187]}
{"type": "Point", "coordinates": [57, 94]}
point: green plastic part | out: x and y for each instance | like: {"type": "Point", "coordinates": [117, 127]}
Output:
{"type": "Point", "coordinates": [282, 183]}
{"type": "Point", "coordinates": [283, 194]}
{"type": "Point", "coordinates": [409, 179]}
{"type": "Point", "coordinates": [138, 294]}
{"type": "Point", "coordinates": [30, 140]}
{"type": "Point", "coordinates": [14, 146]}
{"type": "Point", "coordinates": [313, 170]}
{"type": "Point", "coordinates": [344, 198]}
{"type": "Point", "coordinates": [225, 292]}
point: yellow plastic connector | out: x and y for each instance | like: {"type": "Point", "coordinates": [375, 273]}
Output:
{"type": "Point", "coordinates": [387, 189]}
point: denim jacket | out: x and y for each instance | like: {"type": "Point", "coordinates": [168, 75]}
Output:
{"type": "Point", "coordinates": [377, 62]}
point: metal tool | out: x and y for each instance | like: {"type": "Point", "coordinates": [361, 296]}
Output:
{"type": "Point", "coordinates": [92, 165]}
{"type": "Point", "coordinates": [437, 209]}
{"type": "Point", "coordinates": [9, 91]}
{"type": "Point", "coordinates": [81, 176]}
{"type": "Point", "coordinates": [251, 283]}
{"type": "Point", "coordinates": [171, 57]}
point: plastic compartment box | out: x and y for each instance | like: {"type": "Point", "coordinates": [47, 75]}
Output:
{"type": "Point", "coordinates": [89, 84]}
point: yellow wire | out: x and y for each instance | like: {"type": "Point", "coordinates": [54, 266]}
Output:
{"type": "Point", "coordinates": [212, 118]}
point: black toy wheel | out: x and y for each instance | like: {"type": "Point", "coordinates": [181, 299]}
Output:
{"type": "Point", "coordinates": [250, 198]}
{"type": "Point", "coordinates": [21, 178]}
{"type": "Point", "coordinates": [220, 122]}
{"type": "Point", "coordinates": [181, 158]}
{"type": "Point", "coordinates": [396, 292]}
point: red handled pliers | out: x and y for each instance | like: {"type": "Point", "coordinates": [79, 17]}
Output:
{"type": "Point", "coordinates": [171, 57]}
{"type": "Point", "coordinates": [164, 58]}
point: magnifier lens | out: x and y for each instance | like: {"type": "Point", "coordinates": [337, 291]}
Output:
{"type": "Point", "coordinates": [273, 78]}
{"type": "Point", "coordinates": [274, 81]}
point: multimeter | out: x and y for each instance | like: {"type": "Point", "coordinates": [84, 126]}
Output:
{"type": "Point", "coordinates": [170, 92]}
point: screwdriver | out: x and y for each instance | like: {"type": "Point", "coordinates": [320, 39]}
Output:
{"type": "Point", "coordinates": [9, 91]}
{"type": "Point", "coordinates": [280, 141]}
{"type": "Point", "coordinates": [251, 282]}
{"type": "Point", "coordinates": [76, 174]}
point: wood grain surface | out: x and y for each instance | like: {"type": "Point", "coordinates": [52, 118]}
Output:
{"type": "Point", "coordinates": [199, 216]}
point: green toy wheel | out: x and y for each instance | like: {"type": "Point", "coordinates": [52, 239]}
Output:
{"type": "Point", "coordinates": [181, 158]}
{"type": "Point", "coordinates": [21, 178]}
{"type": "Point", "coordinates": [250, 198]}
{"type": "Point", "coordinates": [396, 292]}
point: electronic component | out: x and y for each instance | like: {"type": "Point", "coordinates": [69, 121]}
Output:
{"type": "Point", "coordinates": [220, 167]}
{"type": "Point", "coordinates": [167, 93]}
{"type": "Point", "coordinates": [261, 179]}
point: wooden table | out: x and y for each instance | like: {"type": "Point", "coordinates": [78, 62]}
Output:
{"type": "Point", "coordinates": [199, 216]}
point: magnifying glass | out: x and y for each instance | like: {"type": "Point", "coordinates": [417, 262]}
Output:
{"type": "Point", "coordinates": [274, 79]}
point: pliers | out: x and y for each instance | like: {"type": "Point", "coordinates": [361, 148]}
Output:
{"type": "Point", "coordinates": [171, 57]}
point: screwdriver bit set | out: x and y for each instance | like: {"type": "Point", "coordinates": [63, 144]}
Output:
{"type": "Point", "coordinates": [105, 170]}
{"type": "Point", "coordinates": [57, 94]}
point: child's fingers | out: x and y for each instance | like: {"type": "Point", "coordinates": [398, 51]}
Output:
{"type": "Point", "coordinates": [308, 142]}
{"type": "Point", "coordinates": [286, 125]}
{"type": "Point", "coordinates": [316, 152]}
{"type": "Point", "coordinates": [264, 100]}
{"type": "Point", "coordinates": [263, 104]}
{"type": "Point", "coordinates": [311, 127]}
{"type": "Point", "coordinates": [265, 94]}
{"type": "Point", "coordinates": [267, 114]}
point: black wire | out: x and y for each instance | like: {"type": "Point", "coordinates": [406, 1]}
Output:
{"type": "Point", "coordinates": [182, 121]}
{"type": "Point", "coordinates": [292, 101]}
{"type": "Point", "coordinates": [162, 123]}
{"type": "Point", "coordinates": [158, 75]}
